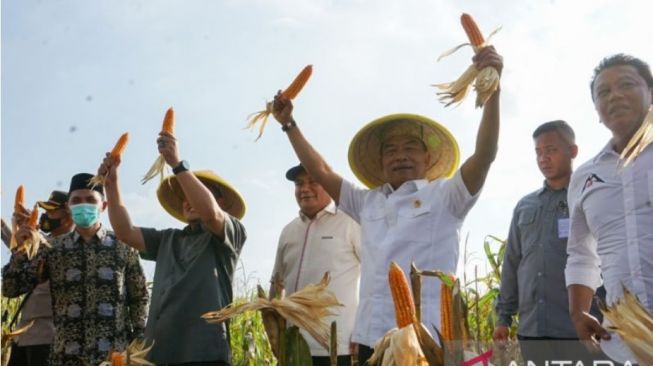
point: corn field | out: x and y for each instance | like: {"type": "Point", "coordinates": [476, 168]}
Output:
{"type": "Point", "coordinates": [250, 346]}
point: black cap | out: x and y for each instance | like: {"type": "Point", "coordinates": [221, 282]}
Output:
{"type": "Point", "coordinates": [293, 172]}
{"type": "Point", "coordinates": [57, 200]}
{"type": "Point", "coordinates": [81, 181]}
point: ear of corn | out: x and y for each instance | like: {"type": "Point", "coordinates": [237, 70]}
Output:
{"type": "Point", "coordinates": [34, 217]}
{"type": "Point", "coordinates": [471, 28]}
{"type": "Point", "coordinates": [298, 84]}
{"type": "Point", "coordinates": [20, 198]}
{"type": "Point", "coordinates": [120, 146]}
{"type": "Point", "coordinates": [486, 81]}
{"type": "Point", "coordinates": [403, 300]}
{"type": "Point", "coordinates": [116, 152]}
{"type": "Point", "coordinates": [169, 122]}
{"type": "Point", "coordinates": [290, 92]}
{"type": "Point", "coordinates": [158, 168]}
{"type": "Point", "coordinates": [446, 321]}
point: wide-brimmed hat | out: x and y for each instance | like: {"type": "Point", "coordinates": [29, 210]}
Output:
{"type": "Point", "coordinates": [56, 200]}
{"type": "Point", "coordinates": [365, 147]}
{"type": "Point", "coordinates": [171, 196]}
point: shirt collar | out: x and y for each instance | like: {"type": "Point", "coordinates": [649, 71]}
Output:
{"type": "Point", "coordinates": [410, 186]}
{"type": "Point", "coordinates": [606, 152]}
{"type": "Point", "coordinates": [100, 234]}
{"type": "Point", "coordinates": [545, 188]}
{"type": "Point", "coordinates": [328, 209]}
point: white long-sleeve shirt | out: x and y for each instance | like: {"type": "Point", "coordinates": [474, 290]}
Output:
{"type": "Point", "coordinates": [612, 226]}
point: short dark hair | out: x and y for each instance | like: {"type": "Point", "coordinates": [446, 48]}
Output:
{"type": "Point", "coordinates": [559, 126]}
{"type": "Point", "coordinates": [642, 68]}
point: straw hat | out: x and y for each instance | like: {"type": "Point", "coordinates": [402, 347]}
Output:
{"type": "Point", "coordinates": [365, 147]}
{"type": "Point", "coordinates": [171, 196]}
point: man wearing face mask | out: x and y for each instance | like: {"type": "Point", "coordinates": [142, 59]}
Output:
{"type": "Point", "coordinates": [33, 347]}
{"type": "Point", "coordinates": [99, 297]}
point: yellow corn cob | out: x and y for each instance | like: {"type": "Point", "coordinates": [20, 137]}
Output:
{"type": "Point", "coordinates": [401, 295]}
{"type": "Point", "coordinates": [446, 321]}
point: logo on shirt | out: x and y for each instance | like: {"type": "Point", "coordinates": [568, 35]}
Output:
{"type": "Point", "coordinates": [593, 178]}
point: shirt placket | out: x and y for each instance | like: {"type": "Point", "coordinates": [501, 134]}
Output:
{"type": "Point", "coordinates": [301, 258]}
{"type": "Point", "coordinates": [628, 181]}
{"type": "Point", "coordinates": [545, 215]}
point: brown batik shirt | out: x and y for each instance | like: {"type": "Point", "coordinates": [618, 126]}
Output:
{"type": "Point", "coordinates": [99, 294]}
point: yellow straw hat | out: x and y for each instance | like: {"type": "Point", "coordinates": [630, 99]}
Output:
{"type": "Point", "coordinates": [365, 147]}
{"type": "Point", "coordinates": [171, 196]}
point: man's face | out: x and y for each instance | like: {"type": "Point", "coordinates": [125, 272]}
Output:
{"type": "Point", "coordinates": [310, 195]}
{"type": "Point", "coordinates": [621, 98]}
{"type": "Point", "coordinates": [554, 155]}
{"type": "Point", "coordinates": [403, 158]}
{"type": "Point", "coordinates": [57, 213]}
{"type": "Point", "coordinates": [87, 196]}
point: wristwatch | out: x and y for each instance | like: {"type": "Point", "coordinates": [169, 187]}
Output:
{"type": "Point", "coordinates": [183, 166]}
{"type": "Point", "coordinates": [288, 125]}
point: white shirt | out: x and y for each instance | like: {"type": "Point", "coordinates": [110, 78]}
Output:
{"type": "Point", "coordinates": [419, 222]}
{"type": "Point", "coordinates": [612, 226]}
{"type": "Point", "coordinates": [330, 242]}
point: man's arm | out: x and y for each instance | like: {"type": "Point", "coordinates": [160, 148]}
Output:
{"type": "Point", "coordinates": [476, 167]}
{"type": "Point", "coordinates": [198, 196]}
{"type": "Point", "coordinates": [588, 328]}
{"type": "Point", "coordinates": [508, 301]}
{"type": "Point", "coordinates": [118, 215]}
{"type": "Point", "coordinates": [314, 164]}
{"type": "Point", "coordinates": [21, 274]}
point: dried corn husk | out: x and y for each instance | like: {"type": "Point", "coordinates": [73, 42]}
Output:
{"type": "Point", "coordinates": [634, 324]}
{"type": "Point", "coordinates": [486, 81]}
{"type": "Point", "coordinates": [158, 168]}
{"type": "Point", "coordinates": [134, 355]}
{"type": "Point", "coordinates": [304, 308]}
{"type": "Point", "coordinates": [260, 116]}
{"type": "Point", "coordinates": [32, 244]}
{"type": "Point", "coordinates": [640, 140]}
{"type": "Point", "coordinates": [399, 347]}
{"type": "Point", "coordinates": [7, 337]}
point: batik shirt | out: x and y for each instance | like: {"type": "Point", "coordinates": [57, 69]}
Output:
{"type": "Point", "coordinates": [99, 295]}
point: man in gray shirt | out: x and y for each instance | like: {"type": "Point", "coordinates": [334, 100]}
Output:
{"type": "Point", "coordinates": [532, 276]}
{"type": "Point", "coordinates": [194, 266]}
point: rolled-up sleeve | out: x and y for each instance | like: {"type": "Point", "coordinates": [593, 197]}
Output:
{"type": "Point", "coordinates": [583, 262]}
{"type": "Point", "coordinates": [21, 275]}
{"type": "Point", "coordinates": [352, 199]}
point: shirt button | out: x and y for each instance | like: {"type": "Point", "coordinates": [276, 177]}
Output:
{"type": "Point", "coordinates": [541, 301]}
{"type": "Point", "coordinates": [539, 274]}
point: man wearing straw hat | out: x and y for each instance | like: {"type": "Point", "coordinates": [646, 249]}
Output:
{"type": "Point", "coordinates": [414, 208]}
{"type": "Point", "coordinates": [33, 347]}
{"type": "Point", "coordinates": [194, 266]}
{"type": "Point", "coordinates": [99, 297]}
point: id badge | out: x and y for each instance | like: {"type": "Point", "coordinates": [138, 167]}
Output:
{"type": "Point", "coordinates": [563, 228]}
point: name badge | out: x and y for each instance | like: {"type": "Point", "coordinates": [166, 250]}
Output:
{"type": "Point", "coordinates": [563, 228]}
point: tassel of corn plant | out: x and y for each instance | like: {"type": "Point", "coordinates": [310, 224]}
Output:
{"type": "Point", "coordinates": [159, 165]}
{"type": "Point", "coordinates": [116, 152]}
{"type": "Point", "coordinates": [634, 324]}
{"type": "Point", "coordinates": [486, 81]}
{"type": "Point", "coordinates": [290, 92]}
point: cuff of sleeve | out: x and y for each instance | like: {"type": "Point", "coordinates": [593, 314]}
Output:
{"type": "Point", "coordinates": [583, 275]}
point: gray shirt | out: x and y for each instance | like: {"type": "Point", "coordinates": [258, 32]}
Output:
{"type": "Point", "coordinates": [532, 275]}
{"type": "Point", "coordinates": [193, 275]}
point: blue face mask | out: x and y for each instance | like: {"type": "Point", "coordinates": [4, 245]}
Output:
{"type": "Point", "coordinates": [85, 215]}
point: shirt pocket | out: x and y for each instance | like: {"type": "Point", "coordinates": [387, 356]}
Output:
{"type": "Point", "coordinates": [527, 230]}
{"type": "Point", "coordinates": [416, 222]}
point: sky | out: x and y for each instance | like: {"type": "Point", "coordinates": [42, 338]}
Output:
{"type": "Point", "coordinates": [77, 74]}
